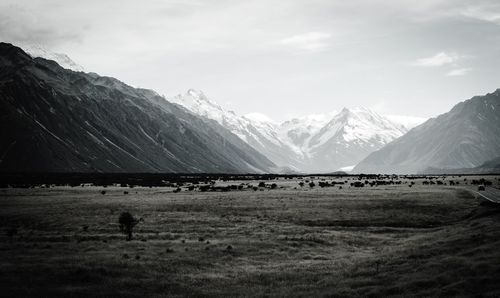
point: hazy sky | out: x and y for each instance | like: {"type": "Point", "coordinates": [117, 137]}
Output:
{"type": "Point", "coordinates": [282, 58]}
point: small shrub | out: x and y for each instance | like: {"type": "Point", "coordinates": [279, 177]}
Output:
{"type": "Point", "coordinates": [127, 223]}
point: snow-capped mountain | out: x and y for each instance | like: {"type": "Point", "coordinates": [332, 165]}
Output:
{"type": "Point", "coordinates": [298, 131]}
{"type": "Point", "coordinates": [254, 130]}
{"type": "Point", "coordinates": [349, 137]}
{"type": "Point", "coordinates": [314, 143]}
{"type": "Point", "coordinates": [57, 120]}
{"type": "Point", "coordinates": [62, 59]}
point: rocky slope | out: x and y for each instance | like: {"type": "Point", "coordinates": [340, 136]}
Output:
{"type": "Point", "coordinates": [465, 137]}
{"type": "Point", "coordinates": [57, 120]}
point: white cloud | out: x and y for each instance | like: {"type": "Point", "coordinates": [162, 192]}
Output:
{"type": "Point", "coordinates": [439, 59]}
{"type": "Point", "coordinates": [311, 41]}
{"type": "Point", "coordinates": [487, 13]}
{"type": "Point", "coordinates": [458, 72]}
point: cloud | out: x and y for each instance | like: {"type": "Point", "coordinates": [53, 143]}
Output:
{"type": "Point", "coordinates": [458, 72]}
{"type": "Point", "coordinates": [486, 12]}
{"type": "Point", "coordinates": [439, 59]}
{"type": "Point", "coordinates": [21, 25]}
{"type": "Point", "coordinates": [310, 41]}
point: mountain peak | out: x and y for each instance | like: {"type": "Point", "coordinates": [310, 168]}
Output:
{"type": "Point", "coordinates": [10, 54]}
{"type": "Point", "coordinates": [357, 110]}
{"type": "Point", "coordinates": [36, 50]}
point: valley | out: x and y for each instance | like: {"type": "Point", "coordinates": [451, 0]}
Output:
{"type": "Point", "coordinates": [274, 238]}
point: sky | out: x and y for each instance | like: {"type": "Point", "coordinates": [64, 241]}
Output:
{"type": "Point", "coordinates": [281, 58]}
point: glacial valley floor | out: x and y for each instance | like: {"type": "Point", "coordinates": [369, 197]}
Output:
{"type": "Point", "coordinates": [381, 241]}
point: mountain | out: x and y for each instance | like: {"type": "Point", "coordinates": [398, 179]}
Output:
{"type": "Point", "coordinates": [493, 164]}
{"type": "Point", "coordinates": [465, 137]}
{"type": "Point", "coordinates": [315, 143]}
{"type": "Point", "coordinates": [488, 167]}
{"type": "Point", "coordinates": [407, 122]}
{"type": "Point", "coordinates": [298, 131]}
{"type": "Point", "coordinates": [349, 137]}
{"type": "Point", "coordinates": [57, 120]}
{"type": "Point", "coordinates": [62, 59]}
{"type": "Point", "coordinates": [259, 133]}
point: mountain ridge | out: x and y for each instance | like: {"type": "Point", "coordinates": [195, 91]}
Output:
{"type": "Point", "coordinates": [465, 137]}
{"type": "Point", "coordinates": [58, 120]}
{"type": "Point", "coordinates": [306, 143]}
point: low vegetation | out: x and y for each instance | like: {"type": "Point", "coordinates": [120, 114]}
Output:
{"type": "Point", "coordinates": [279, 239]}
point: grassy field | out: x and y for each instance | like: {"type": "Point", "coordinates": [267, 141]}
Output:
{"type": "Point", "coordinates": [425, 240]}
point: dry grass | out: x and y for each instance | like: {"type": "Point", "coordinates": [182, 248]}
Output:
{"type": "Point", "coordinates": [380, 241]}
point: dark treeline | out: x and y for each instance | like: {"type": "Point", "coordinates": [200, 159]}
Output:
{"type": "Point", "coordinates": [165, 179]}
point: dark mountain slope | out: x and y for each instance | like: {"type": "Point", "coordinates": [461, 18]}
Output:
{"type": "Point", "coordinates": [489, 167]}
{"type": "Point", "coordinates": [57, 120]}
{"type": "Point", "coordinates": [465, 137]}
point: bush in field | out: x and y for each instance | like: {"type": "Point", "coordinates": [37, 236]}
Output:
{"type": "Point", "coordinates": [204, 187]}
{"type": "Point", "coordinates": [301, 184]}
{"type": "Point", "coordinates": [274, 185]}
{"type": "Point", "coordinates": [311, 184]}
{"type": "Point", "coordinates": [127, 223]}
{"type": "Point", "coordinates": [262, 184]}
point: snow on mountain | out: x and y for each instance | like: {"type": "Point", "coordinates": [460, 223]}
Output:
{"type": "Point", "coordinates": [259, 117]}
{"type": "Point", "coordinates": [408, 122]}
{"type": "Point", "coordinates": [254, 129]}
{"type": "Point", "coordinates": [298, 131]}
{"type": "Point", "coordinates": [197, 102]}
{"type": "Point", "coordinates": [348, 137]}
{"type": "Point", "coordinates": [53, 123]}
{"type": "Point", "coordinates": [61, 59]}
{"type": "Point", "coordinates": [358, 125]}
{"type": "Point", "coordinates": [313, 143]}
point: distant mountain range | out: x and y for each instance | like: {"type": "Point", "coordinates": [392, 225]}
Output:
{"type": "Point", "coordinates": [465, 137]}
{"type": "Point", "coordinates": [57, 120]}
{"type": "Point", "coordinates": [316, 143]}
